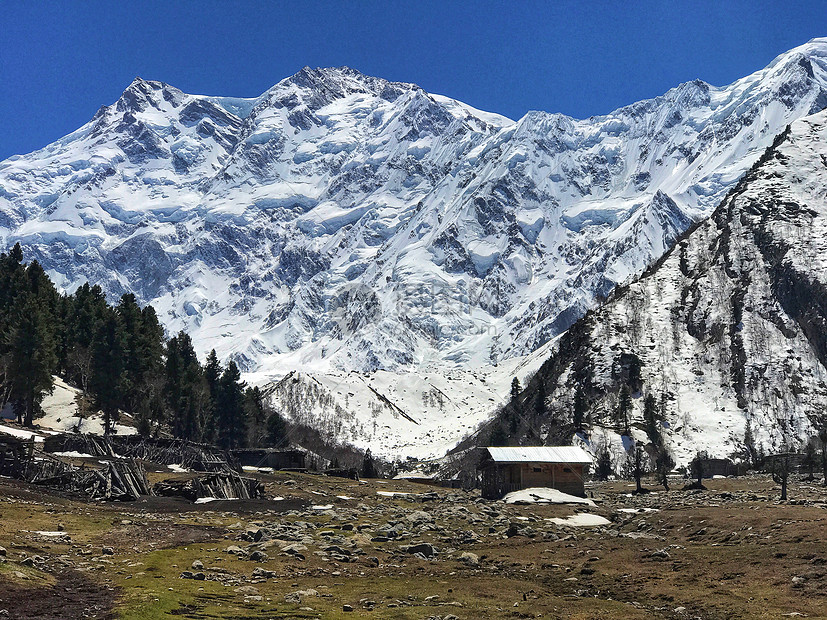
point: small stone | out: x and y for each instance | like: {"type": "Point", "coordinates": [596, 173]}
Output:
{"type": "Point", "coordinates": [262, 573]}
{"type": "Point", "coordinates": [425, 549]}
{"type": "Point", "coordinates": [197, 565]}
{"type": "Point", "coordinates": [347, 608]}
{"type": "Point", "coordinates": [108, 551]}
{"type": "Point", "coordinates": [472, 559]}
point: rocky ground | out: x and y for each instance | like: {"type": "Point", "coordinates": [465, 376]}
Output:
{"type": "Point", "coordinates": [334, 548]}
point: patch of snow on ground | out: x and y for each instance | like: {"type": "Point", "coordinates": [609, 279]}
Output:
{"type": "Point", "coordinates": [542, 495]}
{"type": "Point", "coordinates": [582, 519]}
{"type": "Point", "coordinates": [60, 413]}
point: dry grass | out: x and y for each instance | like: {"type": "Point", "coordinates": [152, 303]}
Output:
{"type": "Point", "coordinates": [739, 556]}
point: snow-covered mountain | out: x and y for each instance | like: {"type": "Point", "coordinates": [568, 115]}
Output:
{"type": "Point", "coordinates": [341, 222]}
{"type": "Point", "coordinates": [729, 330]}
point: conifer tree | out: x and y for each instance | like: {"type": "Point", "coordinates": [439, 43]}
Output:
{"type": "Point", "coordinates": [368, 466]}
{"type": "Point", "coordinates": [540, 400]}
{"type": "Point", "coordinates": [581, 407]}
{"type": "Point", "coordinates": [276, 430]}
{"type": "Point", "coordinates": [624, 409]}
{"type": "Point", "coordinates": [107, 370]}
{"type": "Point", "coordinates": [651, 418]}
{"type": "Point", "coordinates": [230, 413]}
{"type": "Point", "coordinates": [32, 358]}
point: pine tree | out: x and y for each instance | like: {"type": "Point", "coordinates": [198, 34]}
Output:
{"type": "Point", "coordinates": [651, 419]}
{"type": "Point", "coordinates": [540, 400]}
{"type": "Point", "coordinates": [515, 389]}
{"type": "Point", "coordinates": [212, 372]}
{"type": "Point", "coordinates": [514, 408]}
{"type": "Point", "coordinates": [581, 407]}
{"type": "Point", "coordinates": [498, 436]}
{"type": "Point", "coordinates": [185, 389]}
{"type": "Point", "coordinates": [107, 370]}
{"type": "Point", "coordinates": [230, 414]}
{"type": "Point", "coordinates": [256, 416]}
{"type": "Point", "coordinates": [276, 430]}
{"type": "Point", "coordinates": [604, 462]}
{"type": "Point", "coordinates": [624, 410]}
{"type": "Point", "coordinates": [368, 466]}
{"type": "Point", "coordinates": [31, 358]}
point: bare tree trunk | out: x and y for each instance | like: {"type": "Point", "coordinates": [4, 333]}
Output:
{"type": "Point", "coordinates": [29, 421]}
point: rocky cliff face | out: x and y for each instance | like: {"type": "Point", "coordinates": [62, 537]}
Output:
{"type": "Point", "coordinates": [727, 331]}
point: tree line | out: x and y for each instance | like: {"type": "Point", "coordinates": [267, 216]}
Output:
{"type": "Point", "coordinates": [120, 359]}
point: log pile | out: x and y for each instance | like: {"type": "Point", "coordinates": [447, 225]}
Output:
{"type": "Point", "coordinates": [189, 455]}
{"type": "Point", "coordinates": [93, 445]}
{"type": "Point", "coordinates": [163, 451]}
{"type": "Point", "coordinates": [219, 485]}
{"type": "Point", "coordinates": [116, 480]}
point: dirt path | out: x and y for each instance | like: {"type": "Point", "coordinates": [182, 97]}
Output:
{"type": "Point", "coordinates": [73, 596]}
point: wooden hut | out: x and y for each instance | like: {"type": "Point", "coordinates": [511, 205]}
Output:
{"type": "Point", "coordinates": [271, 457]}
{"type": "Point", "coordinates": [510, 469]}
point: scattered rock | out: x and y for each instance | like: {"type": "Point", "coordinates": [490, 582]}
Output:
{"type": "Point", "coordinates": [426, 549]}
{"type": "Point", "coordinates": [263, 573]}
{"type": "Point", "coordinates": [472, 559]}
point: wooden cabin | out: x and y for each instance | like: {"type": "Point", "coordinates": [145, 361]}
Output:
{"type": "Point", "coordinates": [271, 457]}
{"type": "Point", "coordinates": [511, 469]}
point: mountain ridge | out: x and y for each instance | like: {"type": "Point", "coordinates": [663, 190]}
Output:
{"type": "Point", "coordinates": [726, 329]}
{"type": "Point", "coordinates": [341, 222]}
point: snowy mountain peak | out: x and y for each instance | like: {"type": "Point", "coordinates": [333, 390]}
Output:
{"type": "Point", "coordinates": [456, 237]}
{"type": "Point", "coordinates": [728, 329]}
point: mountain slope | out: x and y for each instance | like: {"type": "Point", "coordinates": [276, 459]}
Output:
{"type": "Point", "coordinates": [343, 222]}
{"type": "Point", "coordinates": [729, 330]}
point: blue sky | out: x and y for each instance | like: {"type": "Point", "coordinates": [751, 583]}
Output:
{"type": "Point", "coordinates": [59, 62]}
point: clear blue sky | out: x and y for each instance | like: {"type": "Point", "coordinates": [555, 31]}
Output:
{"type": "Point", "coordinates": [59, 62]}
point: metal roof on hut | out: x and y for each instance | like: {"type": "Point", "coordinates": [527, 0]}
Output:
{"type": "Point", "coordinates": [540, 454]}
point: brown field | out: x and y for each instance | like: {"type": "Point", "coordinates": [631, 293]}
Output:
{"type": "Point", "coordinates": [733, 551]}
